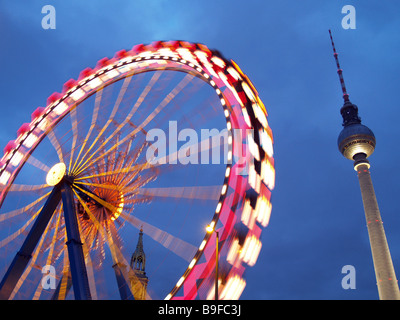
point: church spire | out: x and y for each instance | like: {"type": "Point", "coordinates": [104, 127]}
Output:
{"type": "Point", "coordinates": [138, 276]}
{"type": "Point", "coordinates": [138, 260]}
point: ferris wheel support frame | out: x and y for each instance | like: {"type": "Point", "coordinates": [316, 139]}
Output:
{"type": "Point", "coordinates": [61, 191]}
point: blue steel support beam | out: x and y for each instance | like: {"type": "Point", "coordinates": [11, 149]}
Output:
{"type": "Point", "coordinates": [24, 255]}
{"type": "Point", "coordinates": [80, 282]}
{"type": "Point", "coordinates": [124, 291]}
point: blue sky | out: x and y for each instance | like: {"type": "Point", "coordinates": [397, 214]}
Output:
{"type": "Point", "coordinates": [317, 224]}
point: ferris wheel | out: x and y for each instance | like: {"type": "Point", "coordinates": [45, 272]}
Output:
{"type": "Point", "coordinates": [165, 138]}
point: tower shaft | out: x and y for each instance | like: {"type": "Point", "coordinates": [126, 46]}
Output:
{"type": "Point", "coordinates": [388, 288]}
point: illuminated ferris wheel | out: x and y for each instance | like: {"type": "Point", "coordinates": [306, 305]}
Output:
{"type": "Point", "coordinates": [166, 138]}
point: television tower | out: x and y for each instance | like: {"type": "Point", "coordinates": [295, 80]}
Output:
{"type": "Point", "coordinates": [357, 142]}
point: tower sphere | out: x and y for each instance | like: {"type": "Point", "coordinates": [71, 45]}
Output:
{"type": "Point", "coordinates": [356, 138]}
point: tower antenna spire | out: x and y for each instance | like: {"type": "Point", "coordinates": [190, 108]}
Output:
{"type": "Point", "coordinates": [339, 71]}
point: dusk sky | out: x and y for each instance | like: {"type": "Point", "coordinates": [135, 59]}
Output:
{"type": "Point", "coordinates": [317, 224]}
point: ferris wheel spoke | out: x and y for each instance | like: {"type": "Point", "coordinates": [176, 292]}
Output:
{"type": "Point", "coordinates": [74, 125]}
{"type": "Point", "coordinates": [37, 163]}
{"type": "Point", "coordinates": [176, 245]}
{"type": "Point", "coordinates": [77, 139]}
{"type": "Point", "coordinates": [134, 201]}
{"type": "Point", "coordinates": [196, 148]}
{"type": "Point", "coordinates": [26, 187]}
{"type": "Point", "coordinates": [99, 185]}
{"type": "Point", "coordinates": [13, 213]}
{"type": "Point", "coordinates": [55, 238]}
{"type": "Point", "coordinates": [189, 192]}
{"type": "Point", "coordinates": [90, 271]}
{"type": "Point", "coordinates": [32, 262]}
{"type": "Point", "coordinates": [111, 118]}
{"type": "Point", "coordinates": [127, 191]}
{"type": "Point", "coordinates": [137, 180]}
{"type": "Point", "coordinates": [96, 223]}
{"type": "Point", "coordinates": [180, 86]}
{"type": "Point", "coordinates": [88, 243]}
{"type": "Point", "coordinates": [149, 118]}
{"type": "Point", "coordinates": [133, 168]}
{"type": "Point", "coordinates": [105, 204]}
{"type": "Point", "coordinates": [65, 280]}
{"type": "Point", "coordinates": [181, 100]}
{"type": "Point", "coordinates": [196, 119]}
{"type": "Point", "coordinates": [51, 246]}
{"type": "Point", "coordinates": [56, 144]}
{"type": "Point", "coordinates": [95, 114]}
{"type": "Point", "coordinates": [139, 101]}
{"type": "Point", "coordinates": [15, 234]}
{"type": "Point", "coordinates": [102, 236]}
{"type": "Point", "coordinates": [125, 180]}
{"type": "Point", "coordinates": [124, 268]}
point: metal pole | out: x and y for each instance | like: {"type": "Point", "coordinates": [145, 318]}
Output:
{"type": "Point", "coordinates": [216, 265]}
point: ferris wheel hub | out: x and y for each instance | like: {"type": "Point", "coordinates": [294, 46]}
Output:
{"type": "Point", "coordinates": [56, 173]}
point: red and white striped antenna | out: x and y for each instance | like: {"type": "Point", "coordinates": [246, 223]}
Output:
{"type": "Point", "coordinates": [339, 71]}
